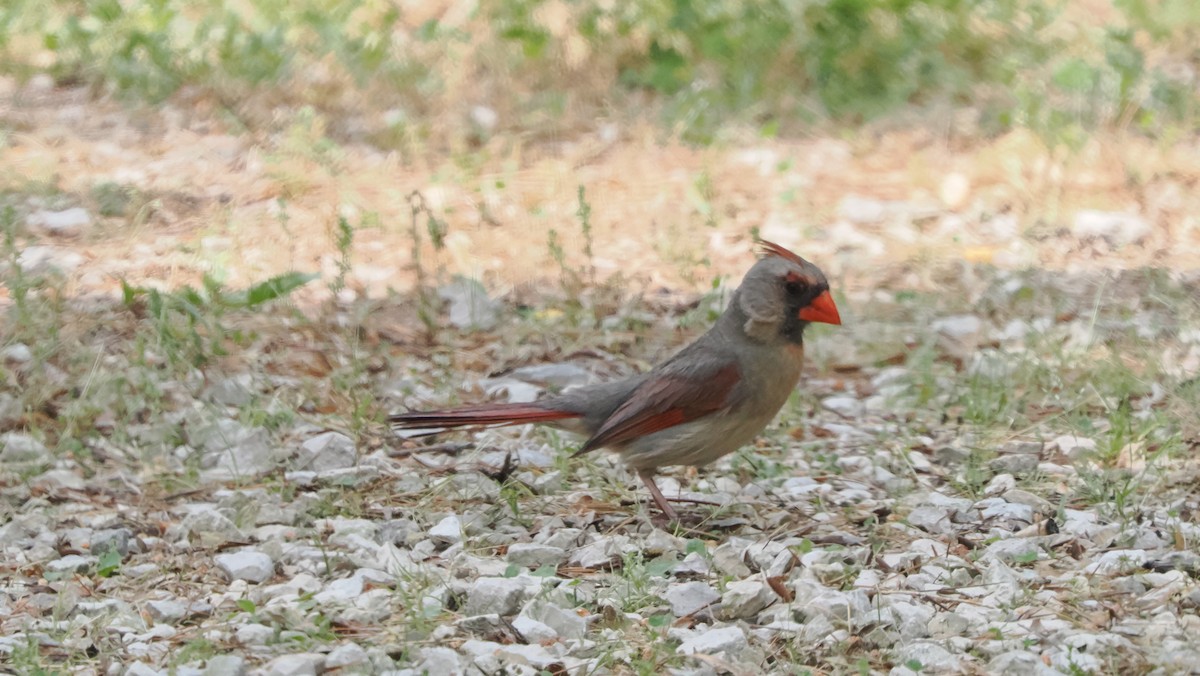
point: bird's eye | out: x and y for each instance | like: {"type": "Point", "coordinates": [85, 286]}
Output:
{"type": "Point", "coordinates": [794, 286]}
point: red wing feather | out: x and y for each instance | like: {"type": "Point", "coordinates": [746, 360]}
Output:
{"type": "Point", "coordinates": [664, 402]}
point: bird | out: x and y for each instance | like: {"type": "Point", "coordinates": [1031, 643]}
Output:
{"type": "Point", "coordinates": [709, 399]}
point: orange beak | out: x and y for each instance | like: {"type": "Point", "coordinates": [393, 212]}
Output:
{"type": "Point", "coordinates": [821, 309]}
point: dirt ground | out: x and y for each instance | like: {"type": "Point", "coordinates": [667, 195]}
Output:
{"type": "Point", "coordinates": [876, 210]}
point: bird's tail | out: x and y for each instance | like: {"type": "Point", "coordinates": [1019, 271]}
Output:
{"type": "Point", "coordinates": [419, 423]}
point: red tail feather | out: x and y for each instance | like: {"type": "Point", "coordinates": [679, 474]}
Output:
{"type": "Point", "coordinates": [487, 415]}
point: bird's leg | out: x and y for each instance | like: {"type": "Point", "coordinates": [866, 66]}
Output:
{"type": "Point", "coordinates": [647, 477]}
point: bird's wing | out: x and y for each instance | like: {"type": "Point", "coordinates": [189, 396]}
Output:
{"type": "Point", "coordinates": [667, 399]}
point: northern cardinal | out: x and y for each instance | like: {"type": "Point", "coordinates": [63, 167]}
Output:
{"type": "Point", "coordinates": [709, 399]}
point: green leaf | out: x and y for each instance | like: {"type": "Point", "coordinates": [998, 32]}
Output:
{"type": "Point", "coordinates": [246, 605]}
{"type": "Point", "coordinates": [109, 563]}
{"type": "Point", "coordinates": [661, 566]}
{"type": "Point", "coordinates": [277, 287]}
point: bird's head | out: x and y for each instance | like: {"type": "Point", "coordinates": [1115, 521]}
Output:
{"type": "Point", "coordinates": [782, 294]}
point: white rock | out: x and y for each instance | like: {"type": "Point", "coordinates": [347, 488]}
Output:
{"type": "Point", "coordinates": [253, 634]}
{"type": "Point", "coordinates": [533, 655]}
{"type": "Point", "coordinates": [16, 353]}
{"type": "Point", "coordinates": [168, 611]}
{"type": "Point", "coordinates": [1073, 446]}
{"type": "Point", "coordinates": [1014, 550]}
{"type": "Point", "coordinates": [233, 391]}
{"type": "Point", "coordinates": [1118, 228]}
{"type": "Point", "coordinates": [931, 519]}
{"type": "Point", "coordinates": [346, 655]}
{"type": "Point", "coordinates": [728, 639]}
{"type": "Point", "coordinates": [534, 631]}
{"type": "Point", "coordinates": [954, 190]}
{"type": "Point", "coordinates": [141, 669]}
{"type": "Point", "coordinates": [1000, 484]}
{"type": "Point", "coordinates": [601, 552]}
{"type": "Point", "coordinates": [71, 563]}
{"type": "Point", "coordinates": [688, 597]}
{"type": "Point", "coordinates": [564, 621]}
{"type": "Point", "coordinates": [447, 531]}
{"type": "Point", "coordinates": [17, 447]}
{"type": "Point", "coordinates": [249, 565]}
{"type": "Point", "coordinates": [532, 555]}
{"type": "Point", "coordinates": [225, 665]}
{"type": "Point", "coordinates": [65, 223]}
{"type": "Point", "coordinates": [470, 306]}
{"type": "Point", "coordinates": [299, 664]}
{"type": "Point", "coordinates": [931, 655]}
{"type": "Point", "coordinates": [1117, 561]}
{"type": "Point", "coordinates": [498, 595]}
{"type": "Point", "coordinates": [847, 406]}
{"type": "Point", "coordinates": [42, 260]}
{"type": "Point", "coordinates": [746, 598]}
{"type": "Point", "coordinates": [59, 479]}
{"type": "Point", "coordinates": [327, 451]}
{"type": "Point", "coordinates": [438, 660]}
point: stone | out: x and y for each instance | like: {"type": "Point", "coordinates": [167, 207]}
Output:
{"type": "Point", "coordinates": [71, 564]}
{"type": "Point", "coordinates": [346, 655]}
{"type": "Point", "coordinates": [253, 634]}
{"type": "Point", "coordinates": [1014, 550]}
{"type": "Point", "coordinates": [249, 565]}
{"type": "Point", "coordinates": [534, 556]}
{"type": "Point", "coordinates": [66, 223]}
{"type": "Point", "coordinates": [234, 391]}
{"type": "Point", "coordinates": [533, 655]}
{"type": "Point", "coordinates": [1116, 561]}
{"type": "Point", "coordinates": [728, 639]}
{"type": "Point", "coordinates": [845, 406]}
{"type": "Point", "coordinates": [225, 665]}
{"type": "Point", "coordinates": [210, 527]}
{"type": "Point", "coordinates": [534, 631]}
{"type": "Point", "coordinates": [10, 411]}
{"type": "Point", "coordinates": [299, 664]}
{"type": "Point", "coordinates": [932, 657]}
{"type": "Point", "coordinates": [557, 376]}
{"type": "Point", "coordinates": [141, 669]}
{"type": "Point", "coordinates": [327, 451]}
{"type": "Point", "coordinates": [1118, 228]}
{"type": "Point", "coordinates": [17, 447]}
{"type": "Point", "coordinates": [470, 306]}
{"type": "Point", "coordinates": [565, 622]}
{"type": "Point", "coordinates": [1018, 464]}
{"type": "Point", "coordinates": [499, 595]}
{"type": "Point", "coordinates": [931, 519]}
{"type": "Point", "coordinates": [438, 660]}
{"type": "Point", "coordinates": [59, 479]}
{"type": "Point", "coordinates": [230, 449]}
{"type": "Point", "coordinates": [447, 531]}
{"type": "Point", "coordinates": [689, 597]}
{"type": "Point", "coordinates": [1073, 446]}
{"type": "Point", "coordinates": [16, 353]}
{"type": "Point", "coordinates": [167, 611]}
{"type": "Point", "coordinates": [112, 539]}
{"type": "Point", "coordinates": [744, 599]}
{"type": "Point", "coordinates": [48, 260]}
{"type": "Point", "coordinates": [958, 335]}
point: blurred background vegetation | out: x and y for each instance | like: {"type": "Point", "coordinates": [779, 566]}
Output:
{"type": "Point", "coordinates": [411, 75]}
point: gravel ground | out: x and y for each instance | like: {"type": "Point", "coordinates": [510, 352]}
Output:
{"type": "Point", "coordinates": [946, 511]}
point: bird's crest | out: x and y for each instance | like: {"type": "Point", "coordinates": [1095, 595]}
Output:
{"type": "Point", "coordinates": [773, 249]}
